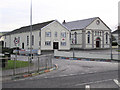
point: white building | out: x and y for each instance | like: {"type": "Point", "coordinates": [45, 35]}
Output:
{"type": "Point", "coordinates": [89, 33]}
{"type": "Point", "coordinates": [45, 36]}
{"type": "Point", "coordinates": [116, 34]}
{"type": "Point", "coordinates": [82, 34]}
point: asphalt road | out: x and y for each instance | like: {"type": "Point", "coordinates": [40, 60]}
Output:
{"type": "Point", "coordinates": [72, 74]}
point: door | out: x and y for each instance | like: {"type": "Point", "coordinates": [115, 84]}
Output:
{"type": "Point", "coordinates": [55, 45]}
{"type": "Point", "coordinates": [97, 44]}
{"type": "Point", "coordinates": [22, 45]}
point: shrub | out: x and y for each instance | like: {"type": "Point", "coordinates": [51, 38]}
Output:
{"type": "Point", "coordinates": [114, 43]}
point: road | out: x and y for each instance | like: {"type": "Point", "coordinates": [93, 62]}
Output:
{"type": "Point", "coordinates": [72, 74]}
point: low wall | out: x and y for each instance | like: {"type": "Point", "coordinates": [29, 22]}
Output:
{"type": "Point", "coordinates": [85, 54]}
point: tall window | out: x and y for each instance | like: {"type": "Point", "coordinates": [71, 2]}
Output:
{"type": "Point", "coordinates": [106, 38]}
{"type": "Point", "coordinates": [75, 37]}
{"type": "Point", "coordinates": [32, 39]}
{"type": "Point", "coordinates": [18, 41]}
{"type": "Point", "coordinates": [48, 34]}
{"type": "Point", "coordinates": [27, 40]}
{"type": "Point", "coordinates": [63, 34]}
{"type": "Point", "coordinates": [47, 43]}
{"type": "Point", "coordinates": [39, 34]}
{"type": "Point", "coordinates": [88, 37]}
{"type": "Point", "coordinates": [39, 43]}
{"type": "Point", "coordinates": [5, 44]}
{"type": "Point", "coordinates": [55, 34]}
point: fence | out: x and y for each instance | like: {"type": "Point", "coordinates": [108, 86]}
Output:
{"type": "Point", "coordinates": [22, 64]}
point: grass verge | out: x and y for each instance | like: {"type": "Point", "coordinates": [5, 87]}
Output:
{"type": "Point", "coordinates": [11, 64]}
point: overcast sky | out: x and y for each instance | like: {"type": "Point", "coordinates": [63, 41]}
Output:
{"type": "Point", "coordinates": [16, 13]}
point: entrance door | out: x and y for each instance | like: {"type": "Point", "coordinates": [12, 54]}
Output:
{"type": "Point", "coordinates": [22, 45]}
{"type": "Point", "coordinates": [55, 45]}
{"type": "Point", "coordinates": [97, 44]}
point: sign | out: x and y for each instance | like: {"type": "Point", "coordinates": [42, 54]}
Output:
{"type": "Point", "coordinates": [16, 41]}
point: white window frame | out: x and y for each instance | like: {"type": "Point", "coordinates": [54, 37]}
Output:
{"type": "Point", "coordinates": [63, 34]}
{"type": "Point", "coordinates": [63, 43]}
{"type": "Point", "coordinates": [55, 34]}
{"type": "Point", "coordinates": [47, 43]}
{"type": "Point", "coordinates": [47, 34]}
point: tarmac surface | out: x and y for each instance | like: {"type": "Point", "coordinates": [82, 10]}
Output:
{"type": "Point", "coordinates": [72, 74]}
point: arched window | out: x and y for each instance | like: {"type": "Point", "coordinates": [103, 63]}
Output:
{"type": "Point", "coordinates": [106, 37]}
{"type": "Point", "coordinates": [75, 37]}
{"type": "Point", "coordinates": [88, 36]}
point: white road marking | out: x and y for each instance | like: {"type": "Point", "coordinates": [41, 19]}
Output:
{"type": "Point", "coordinates": [93, 82]}
{"type": "Point", "coordinates": [82, 73]}
{"type": "Point", "coordinates": [63, 75]}
{"type": "Point", "coordinates": [117, 82]}
{"type": "Point", "coordinates": [72, 74]}
{"type": "Point", "coordinates": [87, 87]}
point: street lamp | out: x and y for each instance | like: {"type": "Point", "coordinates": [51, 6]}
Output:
{"type": "Point", "coordinates": [74, 42]}
{"type": "Point", "coordinates": [111, 45]}
{"type": "Point", "coordinates": [31, 32]}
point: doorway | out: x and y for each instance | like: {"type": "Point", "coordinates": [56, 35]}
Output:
{"type": "Point", "coordinates": [98, 42]}
{"type": "Point", "coordinates": [55, 45]}
{"type": "Point", "coordinates": [22, 45]}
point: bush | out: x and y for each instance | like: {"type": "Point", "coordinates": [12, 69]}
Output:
{"type": "Point", "coordinates": [114, 43]}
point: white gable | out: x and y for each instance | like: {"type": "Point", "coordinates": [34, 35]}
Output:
{"type": "Point", "coordinates": [99, 26]}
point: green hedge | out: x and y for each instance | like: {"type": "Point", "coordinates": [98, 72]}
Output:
{"type": "Point", "coordinates": [114, 43]}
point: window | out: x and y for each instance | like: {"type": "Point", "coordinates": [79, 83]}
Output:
{"type": "Point", "coordinates": [5, 44]}
{"type": "Point", "coordinates": [32, 39]}
{"type": "Point", "coordinates": [55, 34]}
{"type": "Point", "coordinates": [5, 36]}
{"type": "Point", "coordinates": [106, 38]}
{"type": "Point", "coordinates": [63, 43]}
{"type": "Point", "coordinates": [18, 41]}
{"type": "Point", "coordinates": [100, 33]}
{"type": "Point", "coordinates": [39, 43]}
{"type": "Point", "coordinates": [48, 43]}
{"type": "Point", "coordinates": [39, 34]}
{"type": "Point", "coordinates": [63, 34]}
{"type": "Point", "coordinates": [27, 40]}
{"type": "Point", "coordinates": [88, 36]}
{"type": "Point", "coordinates": [75, 37]}
{"type": "Point", "coordinates": [48, 34]}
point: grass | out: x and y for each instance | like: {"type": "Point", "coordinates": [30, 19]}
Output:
{"type": "Point", "coordinates": [118, 50]}
{"type": "Point", "coordinates": [19, 64]}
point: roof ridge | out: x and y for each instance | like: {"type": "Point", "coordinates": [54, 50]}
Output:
{"type": "Point", "coordinates": [82, 19]}
{"type": "Point", "coordinates": [26, 28]}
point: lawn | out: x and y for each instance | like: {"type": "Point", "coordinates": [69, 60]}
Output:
{"type": "Point", "coordinates": [19, 64]}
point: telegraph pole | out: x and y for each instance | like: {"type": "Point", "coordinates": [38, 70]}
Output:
{"type": "Point", "coordinates": [31, 32]}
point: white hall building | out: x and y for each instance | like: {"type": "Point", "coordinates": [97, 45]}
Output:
{"type": "Point", "coordinates": [45, 36]}
{"type": "Point", "coordinates": [89, 33]}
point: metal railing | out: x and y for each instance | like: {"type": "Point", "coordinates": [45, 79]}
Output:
{"type": "Point", "coordinates": [21, 64]}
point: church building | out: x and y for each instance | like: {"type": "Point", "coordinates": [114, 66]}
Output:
{"type": "Point", "coordinates": [89, 33]}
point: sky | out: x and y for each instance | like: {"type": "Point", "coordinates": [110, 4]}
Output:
{"type": "Point", "coordinates": [16, 13]}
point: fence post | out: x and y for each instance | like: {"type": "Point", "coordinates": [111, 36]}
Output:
{"type": "Point", "coordinates": [28, 64]}
{"type": "Point", "coordinates": [14, 66]}
{"type": "Point", "coordinates": [38, 63]}
{"type": "Point", "coordinates": [51, 61]}
{"type": "Point", "coordinates": [46, 62]}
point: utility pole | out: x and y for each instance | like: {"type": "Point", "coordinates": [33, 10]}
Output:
{"type": "Point", "coordinates": [31, 32]}
{"type": "Point", "coordinates": [111, 44]}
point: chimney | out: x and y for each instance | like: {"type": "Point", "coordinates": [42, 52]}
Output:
{"type": "Point", "coordinates": [64, 22]}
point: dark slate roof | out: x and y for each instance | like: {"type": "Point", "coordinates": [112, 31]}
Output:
{"type": "Point", "coordinates": [116, 32]}
{"type": "Point", "coordinates": [79, 24]}
{"type": "Point", "coordinates": [27, 28]}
